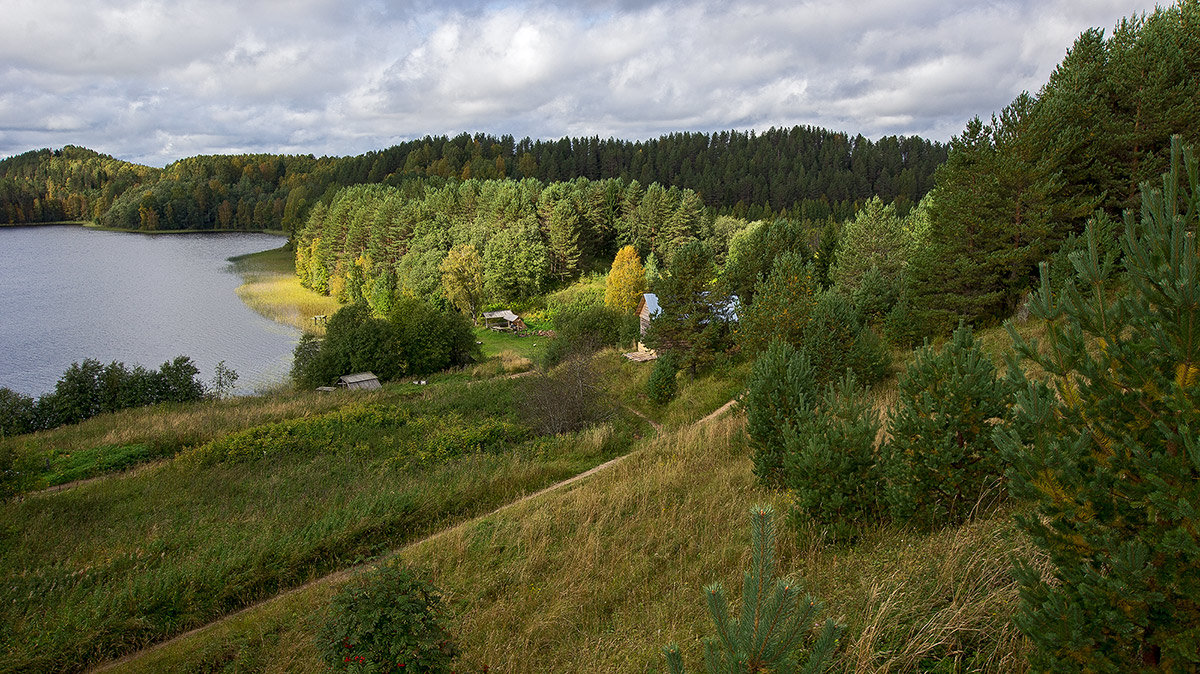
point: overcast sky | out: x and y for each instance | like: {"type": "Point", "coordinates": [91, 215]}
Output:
{"type": "Point", "coordinates": [155, 81]}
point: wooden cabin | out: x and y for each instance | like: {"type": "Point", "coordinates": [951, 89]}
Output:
{"type": "Point", "coordinates": [647, 309]}
{"type": "Point", "coordinates": [502, 321]}
{"type": "Point", "coordinates": [361, 381]}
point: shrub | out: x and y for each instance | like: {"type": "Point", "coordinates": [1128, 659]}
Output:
{"type": "Point", "coordinates": [774, 621]}
{"type": "Point", "coordinates": [781, 391]}
{"type": "Point", "coordinates": [568, 398]}
{"type": "Point", "coordinates": [661, 387]}
{"type": "Point", "coordinates": [388, 620]}
{"type": "Point", "coordinates": [940, 461]}
{"type": "Point", "coordinates": [1107, 450]}
{"type": "Point", "coordinates": [830, 463]}
{"type": "Point", "coordinates": [581, 331]}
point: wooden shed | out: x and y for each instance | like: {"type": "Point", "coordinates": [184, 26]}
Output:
{"type": "Point", "coordinates": [504, 320]}
{"type": "Point", "coordinates": [365, 381]}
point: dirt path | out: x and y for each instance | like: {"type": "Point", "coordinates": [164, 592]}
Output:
{"type": "Point", "coordinates": [345, 573]}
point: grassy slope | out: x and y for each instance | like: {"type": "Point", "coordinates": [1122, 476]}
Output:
{"type": "Point", "coordinates": [110, 566]}
{"type": "Point", "coordinates": [599, 577]}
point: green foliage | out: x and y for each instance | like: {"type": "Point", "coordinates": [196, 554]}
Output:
{"type": "Point", "coordinates": [582, 331]}
{"type": "Point", "coordinates": [662, 386]}
{"type": "Point", "coordinates": [88, 388]}
{"type": "Point", "coordinates": [940, 462]}
{"type": "Point", "coordinates": [693, 321]}
{"type": "Point", "coordinates": [837, 338]}
{"type": "Point", "coordinates": [223, 381]}
{"type": "Point", "coordinates": [781, 306]}
{"type": "Point", "coordinates": [754, 251]}
{"type": "Point", "coordinates": [774, 622]}
{"type": "Point", "coordinates": [876, 295]}
{"type": "Point", "coordinates": [1106, 449]}
{"type": "Point", "coordinates": [391, 619]}
{"type": "Point", "coordinates": [875, 239]}
{"type": "Point", "coordinates": [462, 277]}
{"type": "Point", "coordinates": [830, 464]}
{"type": "Point", "coordinates": [782, 391]}
{"type": "Point", "coordinates": [414, 339]}
{"type": "Point", "coordinates": [1015, 187]}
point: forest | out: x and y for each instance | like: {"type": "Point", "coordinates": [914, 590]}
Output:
{"type": "Point", "coordinates": [806, 171]}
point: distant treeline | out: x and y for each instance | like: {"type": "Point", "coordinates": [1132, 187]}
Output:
{"type": "Point", "coordinates": [803, 172]}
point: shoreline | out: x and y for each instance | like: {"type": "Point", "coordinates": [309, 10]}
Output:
{"type": "Point", "coordinates": [88, 224]}
{"type": "Point", "coordinates": [270, 287]}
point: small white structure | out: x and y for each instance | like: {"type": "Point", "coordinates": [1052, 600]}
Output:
{"type": "Point", "coordinates": [362, 381]}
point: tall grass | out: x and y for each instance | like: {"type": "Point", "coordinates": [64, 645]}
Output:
{"type": "Point", "coordinates": [113, 565]}
{"type": "Point", "coordinates": [599, 577]}
{"type": "Point", "coordinates": [270, 287]}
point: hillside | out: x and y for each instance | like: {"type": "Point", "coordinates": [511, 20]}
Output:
{"type": "Point", "coordinates": [810, 172]}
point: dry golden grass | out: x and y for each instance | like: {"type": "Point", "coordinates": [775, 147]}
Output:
{"type": "Point", "coordinates": [270, 287]}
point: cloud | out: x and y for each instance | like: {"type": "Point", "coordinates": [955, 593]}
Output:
{"type": "Point", "coordinates": [155, 80]}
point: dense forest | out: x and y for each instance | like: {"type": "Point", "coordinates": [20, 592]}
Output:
{"type": "Point", "coordinates": [804, 171]}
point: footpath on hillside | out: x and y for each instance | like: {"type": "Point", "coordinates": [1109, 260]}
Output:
{"type": "Point", "coordinates": [347, 572]}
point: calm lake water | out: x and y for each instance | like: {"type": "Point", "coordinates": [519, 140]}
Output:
{"type": "Point", "coordinates": [69, 293]}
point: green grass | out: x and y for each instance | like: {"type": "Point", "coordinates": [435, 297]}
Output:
{"type": "Point", "coordinates": [113, 565]}
{"type": "Point", "coordinates": [494, 343]}
{"type": "Point", "coordinates": [270, 287]}
{"type": "Point", "coordinates": [599, 577]}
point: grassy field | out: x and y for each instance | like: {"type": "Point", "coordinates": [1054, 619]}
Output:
{"type": "Point", "coordinates": [110, 566]}
{"type": "Point", "coordinates": [599, 577]}
{"type": "Point", "coordinates": [271, 288]}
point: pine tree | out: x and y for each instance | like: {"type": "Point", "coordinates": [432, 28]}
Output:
{"type": "Point", "coordinates": [692, 322]}
{"type": "Point", "coordinates": [774, 621]}
{"type": "Point", "coordinates": [1108, 450]}
{"type": "Point", "coordinates": [781, 305]}
{"type": "Point", "coordinates": [830, 463]}
{"type": "Point", "coordinates": [782, 391]}
{"type": "Point", "coordinates": [626, 282]}
{"type": "Point", "coordinates": [940, 461]}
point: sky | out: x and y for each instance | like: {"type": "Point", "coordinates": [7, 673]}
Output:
{"type": "Point", "coordinates": [155, 81]}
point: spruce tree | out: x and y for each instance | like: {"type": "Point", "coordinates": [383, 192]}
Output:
{"type": "Point", "coordinates": [774, 620]}
{"type": "Point", "coordinates": [1107, 450]}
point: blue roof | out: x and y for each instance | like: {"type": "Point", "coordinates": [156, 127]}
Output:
{"type": "Point", "coordinates": [651, 303]}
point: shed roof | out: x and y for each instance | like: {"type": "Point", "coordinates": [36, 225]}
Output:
{"type": "Point", "coordinates": [506, 314]}
{"type": "Point", "coordinates": [356, 377]}
{"type": "Point", "coordinates": [650, 301]}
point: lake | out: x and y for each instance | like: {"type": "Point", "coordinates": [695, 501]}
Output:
{"type": "Point", "coordinates": [68, 293]}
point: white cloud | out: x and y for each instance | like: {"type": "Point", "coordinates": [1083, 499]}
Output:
{"type": "Point", "coordinates": [154, 80]}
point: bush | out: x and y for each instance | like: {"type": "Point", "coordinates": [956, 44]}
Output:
{"type": "Point", "coordinates": [568, 398]}
{"type": "Point", "coordinates": [1108, 450]}
{"type": "Point", "coordinates": [581, 331]}
{"type": "Point", "coordinates": [830, 463]}
{"type": "Point", "coordinates": [940, 461]}
{"type": "Point", "coordinates": [661, 387]}
{"type": "Point", "coordinates": [16, 413]}
{"type": "Point", "coordinates": [388, 620]}
{"type": "Point", "coordinates": [782, 390]}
